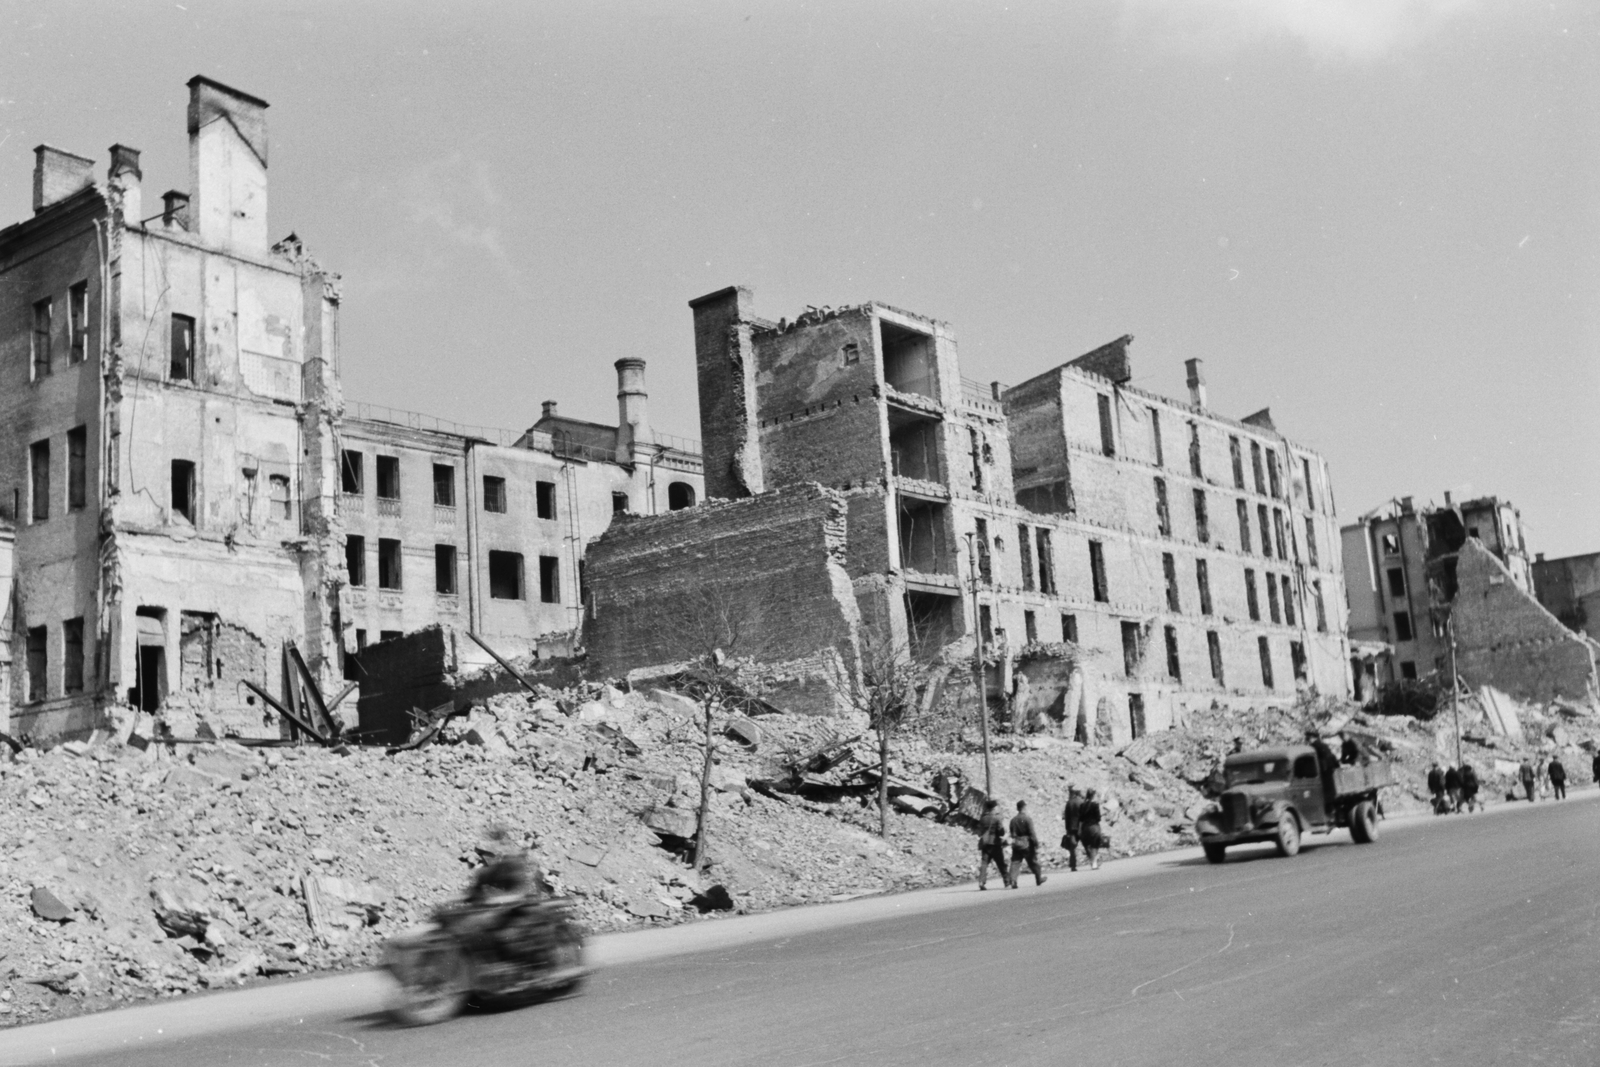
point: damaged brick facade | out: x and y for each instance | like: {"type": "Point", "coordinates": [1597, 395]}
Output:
{"type": "Point", "coordinates": [1084, 510]}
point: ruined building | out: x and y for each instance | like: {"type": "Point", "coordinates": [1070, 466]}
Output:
{"type": "Point", "coordinates": [188, 490]}
{"type": "Point", "coordinates": [1460, 572]}
{"type": "Point", "coordinates": [1569, 588]}
{"type": "Point", "coordinates": [1178, 556]}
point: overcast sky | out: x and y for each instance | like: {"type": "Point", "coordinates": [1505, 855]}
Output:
{"type": "Point", "coordinates": [1377, 217]}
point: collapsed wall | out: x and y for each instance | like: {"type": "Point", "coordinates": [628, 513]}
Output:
{"type": "Point", "coordinates": [1506, 638]}
{"type": "Point", "coordinates": [762, 577]}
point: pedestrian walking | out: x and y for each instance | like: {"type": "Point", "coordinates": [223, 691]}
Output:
{"type": "Point", "coordinates": [1452, 788]}
{"type": "Point", "coordinates": [992, 844]}
{"type": "Point", "coordinates": [1093, 838]}
{"type": "Point", "coordinates": [1436, 787]}
{"type": "Point", "coordinates": [1469, 787]}
{"type": "Point", "coordinates": [1024, 845]}
{"type": "Point", "coordinates": [1558, 777]}
{"type": "Point", "coordinates": [1525, 773]}
{"type": "Point", "coordinates": [1540, 778]}
{"type": "Point", "coordinates": [1072, 824]}
{"type": "Point", "coordinates": [1596, 767]}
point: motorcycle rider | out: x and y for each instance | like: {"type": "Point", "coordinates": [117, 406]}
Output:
{"type": "Point", "coordinates": [505, 880]}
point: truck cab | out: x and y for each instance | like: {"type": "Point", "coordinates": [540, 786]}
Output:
{"type": "Point", "coordinates": [1280, 794]}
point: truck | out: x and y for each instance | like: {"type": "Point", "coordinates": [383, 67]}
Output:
{"type": "Point", "coordinates": [1281, 794]}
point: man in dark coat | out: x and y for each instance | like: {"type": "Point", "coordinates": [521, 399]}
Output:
{"type": "Point", "coordinates": [1558, 778]}
{"type": "Point", "coordinates": [1072, 820]}
{"type": "Point", "coordinates": [1089, 830]}
{"type": "Point", "coordinates": [1596, 767]}
{"type": "Point", "coordinates": [992, 845]}
{"type": "Point", "coordinates": [1436, 787]}
{"type": "Point", "coordinates": [1529, 780]}
{"type": "Point", "coordinates": [1452, 788]}
{"type": "Point", "coordinates": [1469, 787]}
{"type": "Point", "coordinates": [1024, 845]}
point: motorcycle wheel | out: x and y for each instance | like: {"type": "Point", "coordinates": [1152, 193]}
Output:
{"type": "Point", "coordinates": [433, 987]}
{"type": "Point", "coordinates": [568, 956]}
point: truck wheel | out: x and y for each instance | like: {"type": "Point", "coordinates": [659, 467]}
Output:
{"type": "Point", "coordinates": [1288, 840]}
{"type": "Point", "coordinates": [1215, 853]}
{"type": "Point", "coordinates": [1364, 823]}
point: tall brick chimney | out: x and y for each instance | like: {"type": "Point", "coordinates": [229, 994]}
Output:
{"type": "Point", "coordinates": [57, 175]}
{"type": "Point", "coordinates": [227, 166]}
{"type": "Point", "coordinates": [124, 176]}
{"type": "Point", "coordinates": [1197, 383]}
{"type": "Point", "coordinates": [633, 412]}
{"type": "Point", "coordinates": [725, 365]}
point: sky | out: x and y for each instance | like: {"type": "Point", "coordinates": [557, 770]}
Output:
{"type": "Point", "coordinates": [1379, 218]}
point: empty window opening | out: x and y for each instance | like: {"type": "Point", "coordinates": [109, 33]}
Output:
{"type": "Point", "coordinates": [444, 485]}
{"type": "Point", "coordinates": [1311, 541]}
{"type": "Point", "coordinates": [1244, 527]}
{"type": "Point", "coordinates": [1097, 571]}
{"type": "Point", "coordinates": [1030, 627]}
{"type": "Point", "coordinates": [1391, 545]}
{"type": "Point", "coordinates": [150, 669]}
{"type": "Point", "coordinates": [180, 367]}
{"type": "Point", "coordinates": [985, 574]}
{"type": "Point", "coordinates": [1052, 498]}
{"type": "Point", "coordinates": [1169, 570]}
{"type": "Point", "coordinates": [1288, 599]}
{"type": "Point", "coordinates": [352, 659]}
{"type": "Point", "coordinates": [1136, 724]}
{"type": "Point", "coordinates": [1402, 626]}
{"type": "Point", "coordinates": [1238, 462]}
{"type": "Point", "coordinates": [1322, 614]}
{"type": "Point", "coordinates": [198, 665]}
{"type": "Point", "coordinates": [183, 489]}
{"type": "Point", "coordinates": [1255, 467]}
{"type": "Point", "coordinates": [38, 662]}
{"type": "Point", "coordinates": [1250, 600]}
{"type": "Point", "coordinates": [619, 503]}
{"type": "Point", "coordinates": [1131, 652]}
{"type": "Point", "coordinates": [923, 539]}
{"type": "Point", "coordinates": [986, 624]}
{"type": "Point", "coordinates": [505, 575]}
{"type": "Point", "coordinates": [1163, 514]}
{"type": "Point", "coordinates": [281, 501]}
{"type": "Point", "coordinates": [1194, 449]}
{"type": "Point", "coordinates": [1272, 598]}
{"type": "Point", "coordinates": [1047, 562]}
{"type": "Point", "coordinates": [1266, 531]}
{"type": "Point", "coordinates": [549, 579]}
{"type": "Point", "coordinates": [388, 563]}
{"type": "Point", "coordinates": [1297, 660]}
{"type": "Point", "coordinates": [389, 635]}
{"type": "Point", "coordinates": [975, 440]}
{"type": "Point", "coordinates": [72, 656]}
{"type": "Point", "coordinates": [850, 352]}
{"type": "Point", "coordinates": [908, 363]}
{"type": "Point", "coordinates": [914, 447]}
{"type": "Point", "coordinates": [1155, 437]}
{"type": "Point", "coordinates": [933, 621]}
{"type": "Point", "coordinates": [1408, 670]}
{"type": "Point", "coordinates": [355, 559]}
{"type": "Point", "coordinates": [1069, 628]}
{"type": "Point", "coordinates": [78, 322]}
{"type": "Point", "coordinates": [1214, 649]}
{"type": "Point", "coordinates": [494, 494]}
{"type": "Point", "coordinates": [680, 495]}
{"type": "Point", "coordinates": [1202, 521]}
{"type": "Point", "coordinates": [1397, 582]}
{"type": "Point", "coordinates": [1265, 649]}
{"type": "Point", "coordinates": [1277, 527]}
{"type": "Point", "coordinates": [388, 477]}
{"type": "Point", "coordinates": [1274, 481]}
{"type": "Point", "coordinates": [42, 328]}
{"type": "Point", "coordinates": [39, 479]}
{"type": "Point", "coordinates": [352, 473]}
{"type": "Point", "coordinates": [1108, 441]}
{"type": "Point", "coordinates": [1311, 493]}
{"type": "Point", "coordinates": [77, 468]}
{"type": "Point", "coordinates": [1202, 579]}
{"type": "Point", "coordinates": [444, 569]}
{"type": "Point", "coordinates": [1025, 556]}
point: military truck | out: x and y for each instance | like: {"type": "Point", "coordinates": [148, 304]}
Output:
{"type": "Point", "coordinates": [1281, 794]}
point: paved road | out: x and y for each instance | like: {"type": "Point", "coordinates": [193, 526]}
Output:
{"type": "Point", "coordinates": [1464, 940]}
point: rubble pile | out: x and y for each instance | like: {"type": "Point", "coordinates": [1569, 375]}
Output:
{"type": "Point", "coordinates": [131, 873]}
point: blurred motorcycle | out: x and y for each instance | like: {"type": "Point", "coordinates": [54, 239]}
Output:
{"type": "Point", "coordinates": [497, 954]}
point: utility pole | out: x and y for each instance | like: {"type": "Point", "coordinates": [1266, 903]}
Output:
{"type": "Point", "coordinates": [983, 686]}
{"type": "Point", "coordinates": [1455, 684]}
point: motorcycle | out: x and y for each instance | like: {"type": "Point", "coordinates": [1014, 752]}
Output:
{"type": "Point", "coordinates": [497, 954]}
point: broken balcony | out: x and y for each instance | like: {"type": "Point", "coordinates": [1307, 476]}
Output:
{"type": "Point", "coordinates": [926, 542]}
{"type": "Point", "coordinates": [909, 366]}
{"type": "Point", "coordinates": [914, 450]}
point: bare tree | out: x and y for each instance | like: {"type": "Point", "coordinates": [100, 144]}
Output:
{"type": "Point", "coordinates": [884, 687]}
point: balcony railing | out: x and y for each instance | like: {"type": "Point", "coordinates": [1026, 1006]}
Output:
{"type": "Point", "coordinates": [352, 504]}
{"type": "Point", "coordinates": [389, 506]}
{"type": "Point", "coordinates": [444, 514]}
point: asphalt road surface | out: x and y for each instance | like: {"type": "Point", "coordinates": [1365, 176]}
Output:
{"type": "Point", "coordinates": [1462, 940]}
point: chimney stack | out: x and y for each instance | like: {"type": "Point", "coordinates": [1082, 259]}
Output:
{"type": "Point", "coordinates": [124, 177]}
{"type": "Point", "coordinates": [175, 209]}
{"type": "Point", "coordinates": [549, 409]}
{"type": "Point", "coordinates": [1447, 499]}
{"type": "Point", "coordinates": [228, 166]}
{"type": "Point", "coordinates": [57, 175]}
{"type": "Point", "coordinates": [633, 414]}
{"type": "Point", "coordinates": [1197, 384]}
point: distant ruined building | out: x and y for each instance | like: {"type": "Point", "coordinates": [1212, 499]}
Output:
{"type": "Point", "coordinates": [1169, 556]}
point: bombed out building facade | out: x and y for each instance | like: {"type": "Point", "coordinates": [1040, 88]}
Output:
{"type": "Point", "coordinates": [189, 492]}
{"type": "Point", "coordinates": [1173, 556]}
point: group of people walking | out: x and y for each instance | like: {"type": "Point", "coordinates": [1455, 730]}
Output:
{"type": "Point", "coordinates": [1454, 789]}
{"type": "Point", "coordinates": [1081, 823]}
